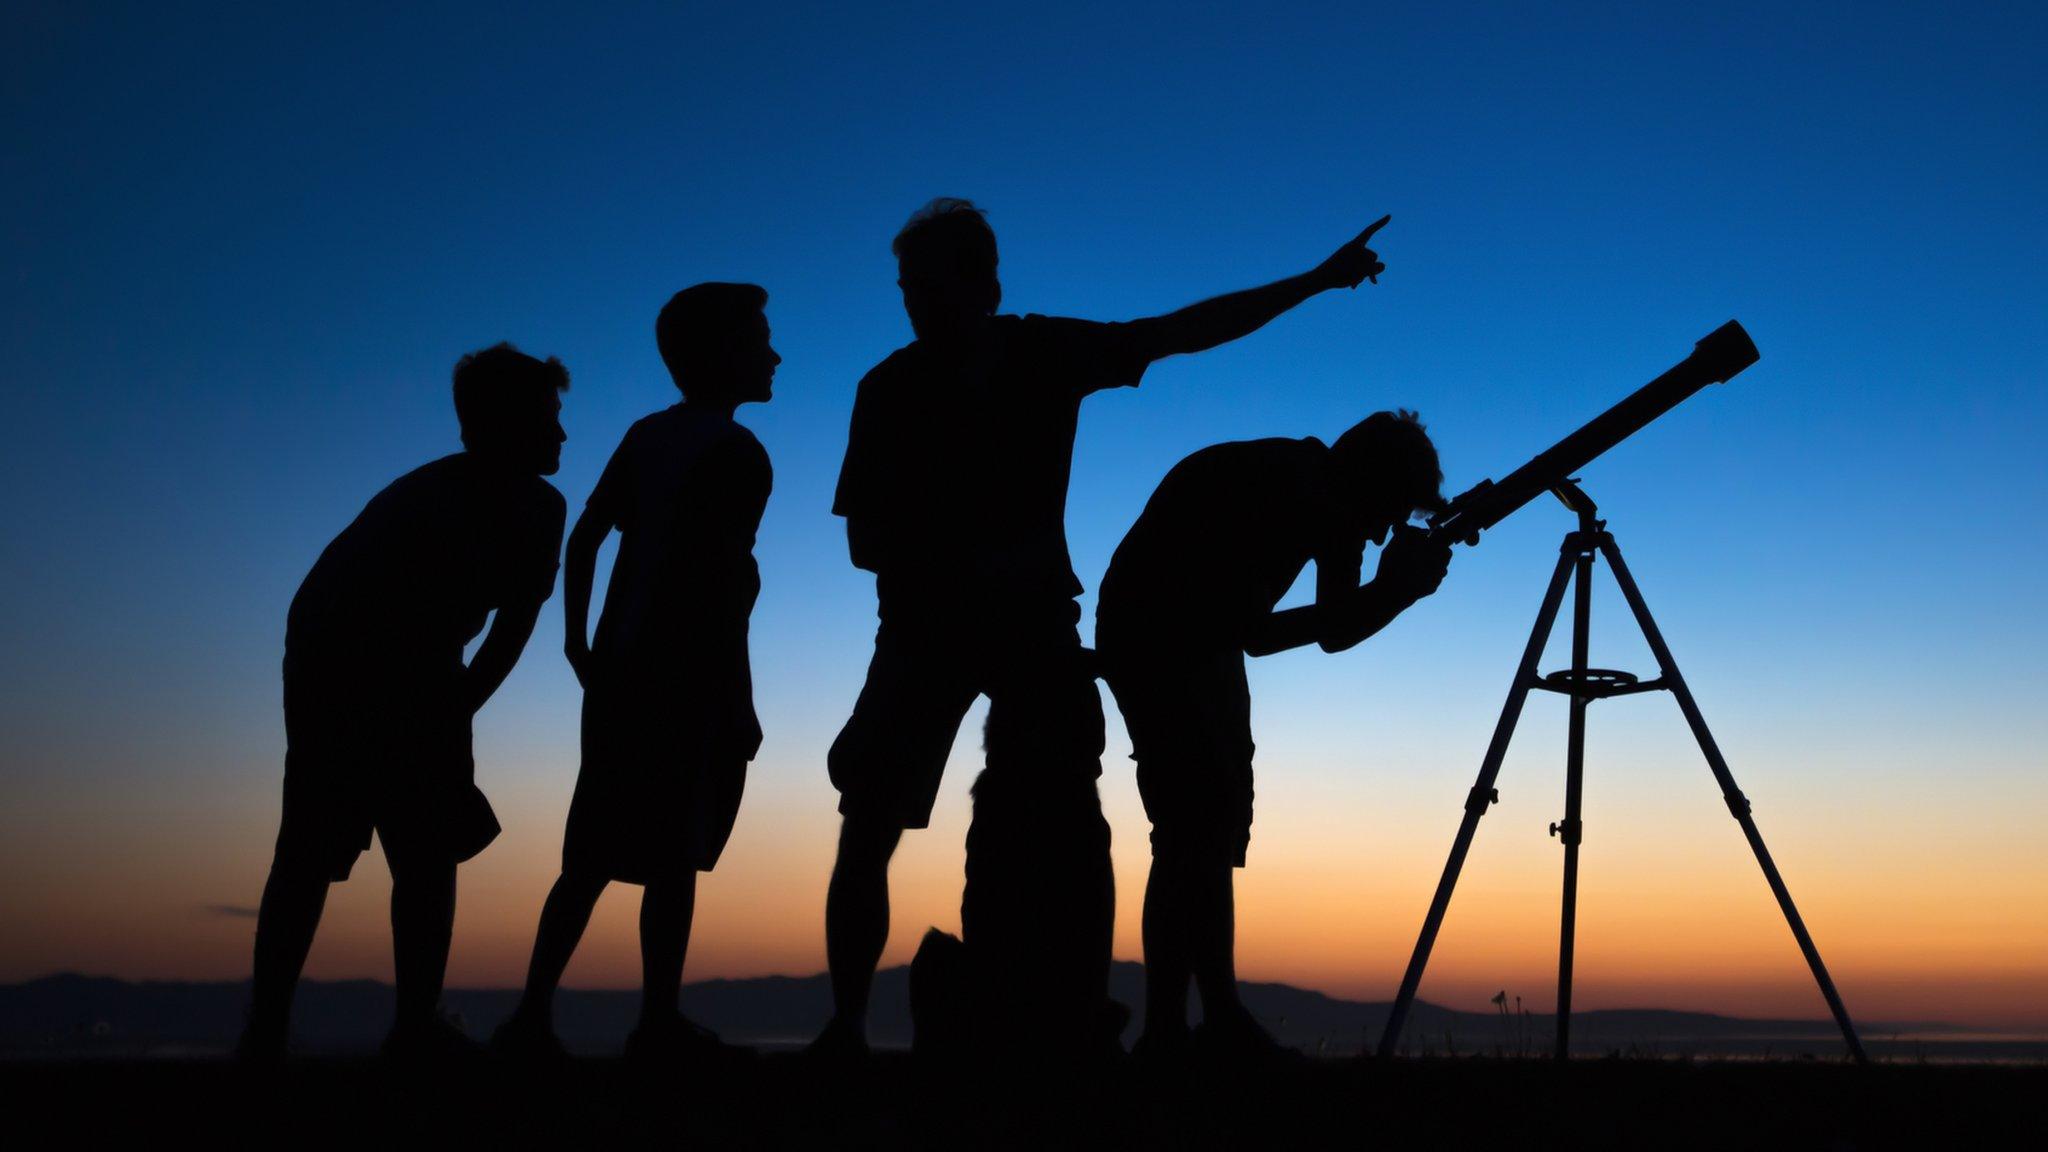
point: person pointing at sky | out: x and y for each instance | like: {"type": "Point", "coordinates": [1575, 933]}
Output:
{"type": "Point", "coordinates": [954, 490]}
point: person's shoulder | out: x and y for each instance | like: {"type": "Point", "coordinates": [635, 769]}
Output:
{"type": "Point", "coordinates": [408, 498]}
{"type": "Point", "coordinates": [1261, 449]}
{"type": "Point", "coordinates": [738, 445]}
{"type": "Point", "coordinates": [659, 422]}
{"type": "Point", "coordinates": [889, 383]}
{"type": "Point", "coordinates": [429, 481]}
{"type": "Point", "coordinates": [1034, 334]}
{"type": "Point", "coordinates": [1277, 449]}
{"type": "Point", "coordinates": [1233, 462]}
{"type": "Point", "coordinates": [742, 439]}
{"type": "Point", "coordinates": [1200, 467]}
{"type": "Point", "coordinates": [894, 366]}
{"type": "Point", "coordinates": [1038, 326]}
{"type": "Point", "coordinates": [1283, 456]}
{"type": "Point", "coordinates": [544, 498]}
{"type": "Point", "coordinates": [447, 469]}
{"type": "Point", "coordinates": [1095, 354]}
{"type": "Point", "coordinates": [527, 493]}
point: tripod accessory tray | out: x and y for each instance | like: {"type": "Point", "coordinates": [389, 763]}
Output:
{"type": "Point", "coordinates": [1596, 683]}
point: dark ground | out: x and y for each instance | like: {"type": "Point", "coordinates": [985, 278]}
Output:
{"type": "Point", "coordinates": [894, 1102]}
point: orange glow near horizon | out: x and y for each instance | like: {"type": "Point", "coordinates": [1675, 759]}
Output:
{"type": "Point", "coordinates": [247, 253]}
{"type": "Point", "coordinates": [1673, 912]}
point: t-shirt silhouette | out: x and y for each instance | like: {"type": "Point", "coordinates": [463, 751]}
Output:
{"type": "Point", "coordinates": [1226, 534]}
{"type": "Point", "coordinates": [668, 702]}
{"type": "Point", "coordinates": [686, 489]}
{"type": "Point", "coordinates": [406, 586]}
{"type": "Point", "coordinates": [956, 469]}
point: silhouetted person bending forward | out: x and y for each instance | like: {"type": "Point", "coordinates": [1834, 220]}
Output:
{"type": "Point", "coordinates": [1188, 594]}
{"type": "Point", "coordinates": [954, 490]}
{"type": "Point", "coordinates": [668, 696]}
{"type": "Point", "coordinates": [377, 700]}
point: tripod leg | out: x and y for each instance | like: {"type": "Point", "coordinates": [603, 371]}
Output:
{"type": "Point", "coordinates": [1476, 802]}
{"type": "Point", "coordinates": [1574, 774]}
{"type": "Point", "coordinates": [1738, 804]}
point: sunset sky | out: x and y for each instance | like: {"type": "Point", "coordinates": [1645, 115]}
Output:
{"type": "Point", "coordinates": [243, 249]}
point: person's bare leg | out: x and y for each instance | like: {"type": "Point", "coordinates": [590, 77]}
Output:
{"type": "Point", "coordinates": [857, 916]}
{"type": "Point", "coordinates": [422, 922]}
{"type": "Point", "coordinates": [1211, 940]}
{"type": "Point", "coordinates": [1166, 954]}
{"type": "Point", "coordinates": [666, 907]}
{"type": "Point", "coordinates": [563, 919]}
{"type": "Point", "coordinates": [286, 920]}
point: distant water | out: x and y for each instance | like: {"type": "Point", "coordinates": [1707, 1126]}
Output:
{"type": "Point", "coordinates": [73, 1017]}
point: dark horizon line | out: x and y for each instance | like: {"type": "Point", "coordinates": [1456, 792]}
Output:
{"type": "Point", "coordinates": [489, 990]}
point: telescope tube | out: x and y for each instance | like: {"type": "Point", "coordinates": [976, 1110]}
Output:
{"type": "Point", "coordinates": [1722, 354]}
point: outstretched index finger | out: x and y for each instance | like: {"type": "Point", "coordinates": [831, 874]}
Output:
{"type": "Point", "coordinates": [1372, 228]}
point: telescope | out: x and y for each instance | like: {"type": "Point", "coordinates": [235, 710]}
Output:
{"type": "Point", "coordinates": [1725, 352]}
{"type": "Point", "coordinates": [1718, 357]}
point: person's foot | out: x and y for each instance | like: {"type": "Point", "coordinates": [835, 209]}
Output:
{"type": "Point", "coordinates": [1162, 1048]}
{"type": "Point", "coordinates": [435, 1039]}
{"type": "Point", "coordinates": [528, 1037]}
{"type": "Point", "coordinates": [1107, 1046]}
{"type": "Point", "coordinates": [840, 1042]}
{"type": "Point", "coordinates": [261, 1045]}
{"type": "Point", "coordinates": [1234, 1037]}
{"type": "Point", "coordinates": [677, 1038]}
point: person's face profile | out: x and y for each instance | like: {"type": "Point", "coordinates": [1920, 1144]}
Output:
{"type": "Point", "coordinates": [1373, 515]}
{"type": "Point", "coordinates": [552, 439]}
{"type": "Point", "coordinates": [757, 360]}
{"type": "Point", "coordinates": [540, 437]}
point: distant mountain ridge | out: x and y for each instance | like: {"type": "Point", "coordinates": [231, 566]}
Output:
{"type": "Point", "coordinates": [70, 1015]}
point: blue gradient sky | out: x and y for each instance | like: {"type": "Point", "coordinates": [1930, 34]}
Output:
{"type": "Point", "coordinates": [242, 250]}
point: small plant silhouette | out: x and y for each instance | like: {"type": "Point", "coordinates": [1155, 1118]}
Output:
{"type": "Point", "coordinates": [1514, 1026]}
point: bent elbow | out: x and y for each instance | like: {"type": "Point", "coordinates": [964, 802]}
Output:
{"type": "Point", "coordinates": [586, 537]}
{"type": "Point", "coordinates": [1336, 644]}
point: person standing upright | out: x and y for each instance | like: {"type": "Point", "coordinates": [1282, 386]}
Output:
{"type": "Point", "coordinates": [668, 691]}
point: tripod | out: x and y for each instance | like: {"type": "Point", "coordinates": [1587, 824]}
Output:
{"type": "Point", "coordinates": [1583, 685]}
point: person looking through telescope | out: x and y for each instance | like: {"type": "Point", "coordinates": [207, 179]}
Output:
{"type": "Point", "coordinates": [1189, 593]}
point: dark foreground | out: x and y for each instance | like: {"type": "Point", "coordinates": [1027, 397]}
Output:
{"type": "Point", "coordinates": [894, 1102]}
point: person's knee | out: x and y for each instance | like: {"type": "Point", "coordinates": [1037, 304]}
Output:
{"type": "Point", "coordinates": [582, 887]}
{"type": "Point", "coordinates": [1192, 856]}
{"type": "Point", "coordinates": [673, 889]}
{"type": "Point", "coordinates": [294, 876]}
{"type": "Point", "coordinates": [422, 875]}
{"type": "Point", "coordinates": [867, 841]}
